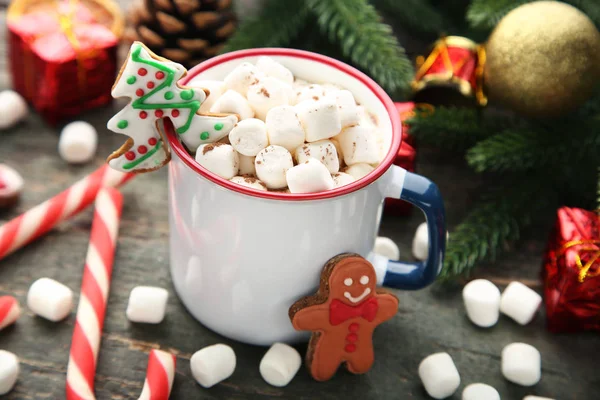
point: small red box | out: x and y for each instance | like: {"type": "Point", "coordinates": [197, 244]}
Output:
{"type": "Point", "coordinates": [571, 272]}
{"type": "Point", "coordinates": [62, 61]}
{"type": "Point", "coordinates": [406, 158]}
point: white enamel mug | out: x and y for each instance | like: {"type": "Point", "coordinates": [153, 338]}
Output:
{"type": "Point", "coordinates": [240, 257]}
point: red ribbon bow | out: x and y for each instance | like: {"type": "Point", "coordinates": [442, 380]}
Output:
{"type": "Point", "coordinates": [340, 312]}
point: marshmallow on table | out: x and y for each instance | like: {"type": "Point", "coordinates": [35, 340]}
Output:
{"type": "Point", "coordinates": [482, 302]}
{"type": "Point", "coordinates": [310, 92]}
{"type": "Point", "coordinates": [147, 304]}
{"type": "Point", "coordinates": [536, 398]}
{"type": "Point", "coordinates": [284, 128]}
{"type": "Point", "coordinates": [273, 69]}
{"type": "Point", "coordinates": [246, 165]}
{"type": "Point", "coordinates": [280, 364]}
{"type": "Point", "coordinates": [480, 391]}
{"type": "Point", "coordinates": [420, 244]}
{"type": "Point", "coordinates": [219, 158]}
{"type": "Point", "coordinates": [359, 170]}
{"type": "Point", "coordinates": [50, 299]}
{"type": "Point", "coordinates": [323, 151]}
{"type": "Point", "coordinates": [359, 145]}
{"type": "Point", "coordinates": [249, 136]}
{"type": "Point", "coordinates": [78, 142]}
{"type": "Point", "coordinates": [14, 108]}
{"type": "Point", "coordinates": [342, 179]}
{"type": "Point", "coordinates": [320, 119]}
{"type": "Point", "coordinates": [521, 364]}
{"type": "Point", "coordinates": [215, 89]}
{"type": "Point", "coordinates": [386, 247]}
{"type": "Point", "coordinates": [213, 364]}
{"type": "Point", "coordinates": [309, 177]}
{"type": "Point", "coordinates": [11, 185]}
{"type": "Point", "coordinates": [520, 302]}
{"type": "Point", "coordinates": [439, 375]}
{"type": "Point", "coordinates": [249, 181]}
{"type": "Point", "coordinates": [242, 77]}
{"type": "Point", "coordinates": [267, 94]}
{"type": "Point", "coordinates": [233, 102]}
{"type": "Point", "coordinates": [9, 371]}
{"type": "Point", "coordinates": [348, 109]}
{"type": "Point", "coordinates": [271, 165]}
{"type": "Point", "coordinates": [9, 311]}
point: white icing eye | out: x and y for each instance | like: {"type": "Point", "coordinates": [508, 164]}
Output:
{"type": "Point", "coordinates": [348, 281]}
{"type": "Point", "coordinates": [364, 279]}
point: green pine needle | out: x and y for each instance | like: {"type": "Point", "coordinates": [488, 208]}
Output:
{"type": "Point", "coordinates": [278, 23]}
{"type": "Point", "coordinates": [365, 40]}
{"type": "Point", "coordinates": [416, 15]}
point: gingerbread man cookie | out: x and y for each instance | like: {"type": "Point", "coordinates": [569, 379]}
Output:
{"type": "Point", "coordinates": [343, 315]}
{"type": "Point", "coordinates": [151, 82]}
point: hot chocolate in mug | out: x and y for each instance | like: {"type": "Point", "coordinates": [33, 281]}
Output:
{"type": "Point", "coordinates": [240, 257]}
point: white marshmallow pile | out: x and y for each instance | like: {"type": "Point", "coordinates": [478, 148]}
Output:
{"type": "Point", "coordinates": [14, 109]}
{"type": "Point", "coordinates": [213, 364]}
{"type": "Point", "coordinates": [78, 142]}
{"type": "Point", "coordinates": [9, 371]}
{"type": "Point", "coordinates": [520, 302]}
{"type": "Point", "coordinates": [480, 391]}
{"type": "Point", "coordinates": [280, 364]}
{"type": "Point", "coordinates": [147, 304]}
{"type": "Point", "coordinates": [521, 364]}
{"type": "Point", "coordinates": [284, 123]}
{"type": "Point", "coordinates": [482, 302]}
{"type": "Point", "coordinates": [50, 299]}
{"type": "Point", "coordinates": [386, 247]}
{"type": "Point", "coordinates": [439, 375]}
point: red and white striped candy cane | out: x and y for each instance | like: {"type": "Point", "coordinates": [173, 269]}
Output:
{"type": "Point", "coordinates": [9, 311]}
{"type": "Point", "coordinates": [159, 376]}
{"type": "Point", "coordinates": [42, 218]}
{"type": "Point", "coordinates": [95, 285]}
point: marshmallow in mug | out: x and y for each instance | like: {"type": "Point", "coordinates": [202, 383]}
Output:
{"type": "Point", "coordinates": [309, 177]}
{"type": "Point", "coordinates": [323, 151]}
{"type": "Point", "coordinates": [242, 77]}
{"type": "Point", "coordinates": [342, 179]}
{"type": "Point", "coordinates": [271, 165]}
{"type": "Point", "coordinates": [320, 119]}
{"type": "Point", "coordinates": [273, 69]}
{"type": "Point", "coordinates": [284, 127]}
{"type": "Point", "coordinates": [249, 136]}
{"type": "Point", "coordinates": [268, 93]}
{"type": "Point", "coordinates": [359, 145]}
{"type": "Point", "coordinates": [219, 158]}
{"type": "Point", "coordinates": [233, 102]}
{"type": "Point", "coordinates": [249, 181]}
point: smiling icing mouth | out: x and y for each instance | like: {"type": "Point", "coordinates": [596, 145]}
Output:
{"type": "Point", "coordinates": [359, 298]}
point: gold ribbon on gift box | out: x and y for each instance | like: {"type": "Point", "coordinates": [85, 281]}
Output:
{"type": "Point", "coordinates": [106, 12]}
{"type": "Point", "coordinates": [590, 245]}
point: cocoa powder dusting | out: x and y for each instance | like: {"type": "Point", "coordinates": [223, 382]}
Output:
{"type": "Point", "coordinates": [211, 147]}
{"type": "Point", "coordinates": [264, 92]}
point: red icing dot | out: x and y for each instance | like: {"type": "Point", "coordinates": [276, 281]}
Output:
{"type": "Point", "coordinates": [150, 85]}
{"type": "Point", "coordinates": [353, 327]}
{"type": "Point", "coordinates": [142, 71]}
{"type": "Point", "coordinates": [130, 155]}
{"type": "Point", "coordinates": [143, 114]}
{"type": "Point", "coordinates": [175, 113]}
{"type": "Point", "coordinates": [160, 75]}
{"type": "Point", "coordinates": [159, 113]}
{"type": "Point", "coordinates": [142, 149]}
{"type": "Point", "coordinates": [350, 348]}
{"type": "Point", "coordinates": [352, 337]}
{"type": "Point", "coordinates": [152, 141]}
{"type": "Point", "coordinates": [139, 92]}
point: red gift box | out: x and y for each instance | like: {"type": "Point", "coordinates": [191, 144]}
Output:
{"type": "Point", "coordinates": [571, 272]}
{"type": "Point", "coordinates": [63, 60]}
{"type": "Point", "coordinates": [406, 158]}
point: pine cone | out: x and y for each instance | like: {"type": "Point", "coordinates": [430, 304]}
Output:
{"type": "Point", "coordinates": [183, 31]}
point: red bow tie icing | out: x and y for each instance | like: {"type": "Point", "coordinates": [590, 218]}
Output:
{"type": "Point", "coordinates": [340, 312]}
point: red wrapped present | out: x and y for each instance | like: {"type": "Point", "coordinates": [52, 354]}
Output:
{"type": "Point", "coordinates": [63, 54]}
{"type": "Point", "coordinates": [571, 272]}
{"type": "Point", "coordinates": [406, 158]}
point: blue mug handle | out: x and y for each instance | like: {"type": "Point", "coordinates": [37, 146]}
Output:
{"type": "Point", "coordinates": [425, 195]}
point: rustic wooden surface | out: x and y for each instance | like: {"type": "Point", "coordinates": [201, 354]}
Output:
{"type": "Point", "coordinates": [428, 321]}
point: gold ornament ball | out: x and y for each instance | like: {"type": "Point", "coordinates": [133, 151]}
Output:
{"type": "Point", "coordinates": [543, 59]}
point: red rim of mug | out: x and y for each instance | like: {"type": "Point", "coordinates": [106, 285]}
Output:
{"type": "Point", "coordinates": [187, 158]}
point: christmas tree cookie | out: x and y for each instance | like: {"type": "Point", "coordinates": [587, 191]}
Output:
{"type": "Point", "coordinates": [151, 82]}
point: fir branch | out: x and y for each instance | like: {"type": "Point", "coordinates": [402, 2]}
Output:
{"type": "Point", "coordinates": [522, 150]}
{"type": "Point", "coordinates": [416, 15]}
{"type": "Point", "coordinates": [365, 40]}
{"type": "Point", "coordinates": [496, 221]}
{"type": "Point", "coordinates": [598, 190]}
{"type": "Point", "coordinates": [278, 23]}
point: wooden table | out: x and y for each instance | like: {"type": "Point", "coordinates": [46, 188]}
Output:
{"type": "Point", "coordinates": [428, 321]}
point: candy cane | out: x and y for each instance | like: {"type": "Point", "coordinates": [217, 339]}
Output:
{"type": "Point", "coordinates": [9, 311]}
{"type": "Point", "coordinates": [159, 376]}
{"type": "Point", "coordinates": [42, 218]}
{"type": "Point", "coordinates": [94, 294]}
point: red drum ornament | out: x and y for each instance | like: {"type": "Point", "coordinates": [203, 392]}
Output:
{"type": "Point", "coordinates": [452, 74]}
